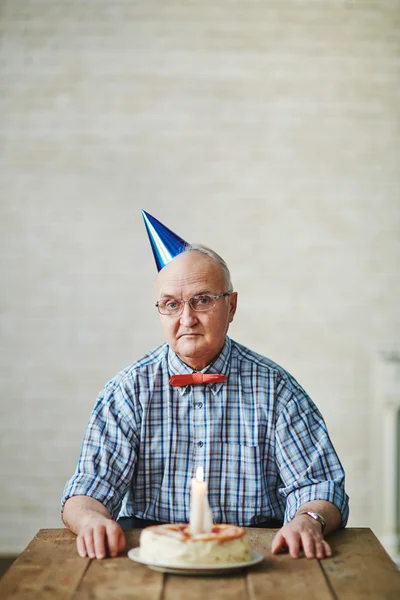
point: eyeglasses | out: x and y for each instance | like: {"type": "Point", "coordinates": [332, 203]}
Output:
{"type": "Point", "coordinates": [201, 303]}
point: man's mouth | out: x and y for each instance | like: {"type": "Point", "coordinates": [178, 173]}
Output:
{"type": "Point", "coordinates": [189, 334]}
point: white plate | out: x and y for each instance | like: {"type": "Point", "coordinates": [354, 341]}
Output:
{"type": "Point", "coordinates": [256, 557]}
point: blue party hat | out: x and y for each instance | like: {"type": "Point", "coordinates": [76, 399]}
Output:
{"type": "Point", "coordinates": [164, 242]}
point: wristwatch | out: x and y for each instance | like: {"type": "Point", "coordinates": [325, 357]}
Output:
{"type": "Point", "coordinates": [316, 516]}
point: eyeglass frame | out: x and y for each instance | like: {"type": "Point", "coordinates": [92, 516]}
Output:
{"type": "Point", "coordinates": [183, 302]}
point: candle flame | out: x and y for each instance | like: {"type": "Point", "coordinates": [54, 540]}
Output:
{"type": "Point", "coordinates": [200, 474]}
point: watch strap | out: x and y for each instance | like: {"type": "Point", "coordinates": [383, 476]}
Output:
{"type": "Point", "coordinates": [316, 516]}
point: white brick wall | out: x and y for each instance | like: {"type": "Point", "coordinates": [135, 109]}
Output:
{"type": "Point", "coordinates": [267, 130]}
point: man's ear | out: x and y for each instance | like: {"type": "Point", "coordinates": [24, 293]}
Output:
{"type": "Point", "coordinates": [232, 305]}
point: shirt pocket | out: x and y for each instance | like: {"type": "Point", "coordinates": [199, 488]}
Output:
{"type": "Point", "coordinates": [237, 472]}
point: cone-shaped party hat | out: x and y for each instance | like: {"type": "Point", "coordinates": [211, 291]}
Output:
{"type": "Point", "coordinates": [164, 242]}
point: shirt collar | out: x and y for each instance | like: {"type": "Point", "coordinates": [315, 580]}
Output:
{"type": "Point", "coordinates": [220, 364]}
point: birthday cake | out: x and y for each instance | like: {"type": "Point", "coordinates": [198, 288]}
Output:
{"type": "Point", "coordinates": [175, 545]}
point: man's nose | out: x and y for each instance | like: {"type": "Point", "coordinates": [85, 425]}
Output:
{"type": "Point", "coordinates": [188, 315]}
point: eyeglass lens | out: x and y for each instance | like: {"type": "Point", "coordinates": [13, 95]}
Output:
{"type": "Point", "coordinates": [174, 306]}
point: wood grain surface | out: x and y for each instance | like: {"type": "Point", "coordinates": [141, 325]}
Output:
{"type": "Point", "coordinates": [50, 568]}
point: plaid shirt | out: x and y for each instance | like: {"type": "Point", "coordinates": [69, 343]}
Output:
{"type": "Point", "coordinates": [262, 442]}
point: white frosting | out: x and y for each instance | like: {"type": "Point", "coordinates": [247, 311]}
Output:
{"type": "Point", "coordinates": [174, 545]}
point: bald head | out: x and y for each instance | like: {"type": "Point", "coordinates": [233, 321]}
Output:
{"type": "Point", "coordinates": [205, 251]}
{"type": "Point", "coordinates": [191, 267]}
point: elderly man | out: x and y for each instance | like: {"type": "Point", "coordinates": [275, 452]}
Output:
{"type": "Point", "coordinates": [264, 446]}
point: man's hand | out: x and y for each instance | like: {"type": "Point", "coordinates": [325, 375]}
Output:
{"type": "Point", "coordinates": [103, 537]}
{"type": "Point", "coordinates": [302, 533]}
{"type": "Point", "coordinates": [97, 534]}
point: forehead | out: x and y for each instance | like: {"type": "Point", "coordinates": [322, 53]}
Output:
{"type": "Point", "coordinates": [191, 271]}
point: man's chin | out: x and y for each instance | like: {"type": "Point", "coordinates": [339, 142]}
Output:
{"type": "Point", "coordinates": [193, 355]}
{"type": "Point", "coordinates": [188, 347]}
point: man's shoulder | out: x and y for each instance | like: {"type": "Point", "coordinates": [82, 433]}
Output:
{"type": "Point", "coordinates": [256, 365]}
{"type": "Point", "coordinates": [146, 365]}
{"type": "Point", "coordinates": [247, 356]}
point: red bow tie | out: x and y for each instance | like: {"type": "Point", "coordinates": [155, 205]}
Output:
{"type": "Point", "coordinates": [194, 378]}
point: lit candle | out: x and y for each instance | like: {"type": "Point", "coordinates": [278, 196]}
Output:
{"type": "Point", "coordinates": [201, 520]}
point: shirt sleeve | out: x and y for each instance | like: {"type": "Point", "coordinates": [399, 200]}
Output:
{"type": "Point", "coordinates": [109, 452]}
{"type": "Point", "coordinates": [308, 464]}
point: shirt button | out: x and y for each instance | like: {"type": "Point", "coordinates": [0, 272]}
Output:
{"type": "Point", "coordinates": [200, 444]}
{"type": "Point", "coordinates": [199, 405]}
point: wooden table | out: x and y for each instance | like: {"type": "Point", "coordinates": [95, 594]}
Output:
{"type": "Point", "coordinates": [49, 568]}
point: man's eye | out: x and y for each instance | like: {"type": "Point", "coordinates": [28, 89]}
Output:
{"type": "Point", "coordinates": [171, 304]}
{"type": "Point", "coordinates": [202, 300]}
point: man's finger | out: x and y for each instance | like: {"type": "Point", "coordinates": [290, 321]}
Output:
{"type": "Point", "coordinates": [89, 543]}
{"type": "Point", "coordinates": [319, 549]}
{"type": "Point", "coordinates": [278, 543]}
{"type": "Point", "coordinates": [113, 535]}
{"type": "Point", "coordinates": [121, 541]}
{"type": "Point", "coordinates": [327, 549]}
{"type": "Point", "coordinates": [81, 546]}
{"type": "Point", "coordinates": [308, 543]}
{"type": "Point", "coordinates": [99, 536]}
{"type": "Point", "coordinates": [293, 543]}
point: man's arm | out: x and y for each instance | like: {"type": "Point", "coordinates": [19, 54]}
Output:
{"type": "Point", "coordinates": [304, 532]}
{"type": "Point", "coordinates": [311, 474]}
{"type": "Point", "coordinates": [97, 534]}
{"type": "Point", "coordinates": [106, 465]}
